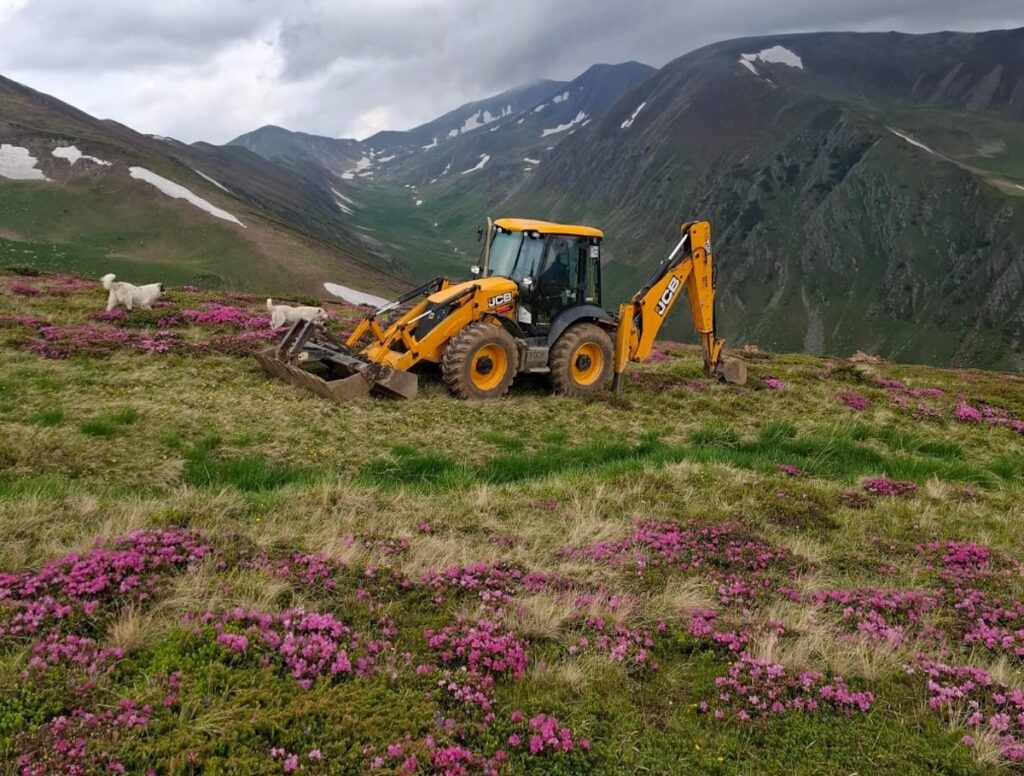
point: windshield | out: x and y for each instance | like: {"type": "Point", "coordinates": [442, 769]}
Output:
{"type": "Point", "coordinates": [504, 252]}
{"type": "Point", "coordinates": [515, 254]}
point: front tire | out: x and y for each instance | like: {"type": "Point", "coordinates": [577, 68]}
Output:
{"type": "Point", "coordinates": [480, 362]}
{"type": "Point", "coordinates": [581, 360]}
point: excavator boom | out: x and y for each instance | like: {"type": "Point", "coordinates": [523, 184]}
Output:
{"type": "Point", "coordinates": [689, 266]}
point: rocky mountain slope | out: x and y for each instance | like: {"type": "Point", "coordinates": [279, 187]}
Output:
{"type": "Point", "coordinates": [867, 191]}
{"type": "Point", "coordinates": [523, 120]}
{"type": "Point", "coordinates": [77, 192]}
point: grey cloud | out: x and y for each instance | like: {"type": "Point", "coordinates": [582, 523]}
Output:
{"type": "Point", "coordinates": [120, 34]}
{"type": "Point", "coordinates": [342, 67]}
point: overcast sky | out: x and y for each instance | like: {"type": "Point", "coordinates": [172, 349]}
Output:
{"type": "Point", "coordinates": [212, 69]}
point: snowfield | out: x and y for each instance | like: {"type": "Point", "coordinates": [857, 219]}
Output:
{"type": "Point", "coordinates": [484, 159]}
{"type": "Point", "coordinates": [362, 165]}
{"type": "Point", "coordinates": [580, 118]}
{"type": "Point", "coordinates": [629, 122]}
{"type": "Point", "coordinates": [17, 164]}
{"type": "Point", "coordinates": [560, 97]}
{"type": "Point", "coordinates": [207, 178]}
{"type": "Point", "coordinates": [528, 160]}
{"type": "Point", "coordinates": [72, 154]}
{"type": "Point", "coordinates": [776, 54]}
{"type": "Point", "coordinates": [177, 191]}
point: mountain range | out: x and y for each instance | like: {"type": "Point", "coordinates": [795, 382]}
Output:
{"type": "Point", "coordinates": [866, 189]}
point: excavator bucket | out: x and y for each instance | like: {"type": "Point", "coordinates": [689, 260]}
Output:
{"type": "Point", "coordinates": [733, 370]}
{"type": "Point", "coordinates": [346, 377]}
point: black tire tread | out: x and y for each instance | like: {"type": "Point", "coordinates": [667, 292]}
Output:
{"type": "Point", "coordinates": [459, 355]}
{"type": "Point", "coordinates": [561, 353]}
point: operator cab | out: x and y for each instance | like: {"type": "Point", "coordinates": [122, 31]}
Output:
{"type": "Point", "coordinates": [555, 266]}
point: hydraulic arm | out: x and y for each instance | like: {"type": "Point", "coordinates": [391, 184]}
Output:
{"type": "Point", "coordinates": [689, 266]}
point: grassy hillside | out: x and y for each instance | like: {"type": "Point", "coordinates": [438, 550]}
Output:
{"type": "Point", "coordinates": [93, 217]}
{"type": "Point", "coordinates": [205, 571]}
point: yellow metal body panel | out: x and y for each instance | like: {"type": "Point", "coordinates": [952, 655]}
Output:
{"type": "Point", "coordinates": [547, 227]}
{"type": "Point", "coordinates": [471, 301]}
{"type": "Point", "coordinates": [641, 319]}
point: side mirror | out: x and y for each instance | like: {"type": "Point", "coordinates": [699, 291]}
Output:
{"type": "Point", "coordinates": [527, 281]}
{"type": "Point", "coordinates": [475, 269]}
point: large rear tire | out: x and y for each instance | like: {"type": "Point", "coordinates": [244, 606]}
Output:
{"type": "Point", "coordinates": [480, 362]}
{"type": "Point", "coordinates": [581, 360]}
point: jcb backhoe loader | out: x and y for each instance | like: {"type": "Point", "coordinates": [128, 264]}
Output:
{"type": "Point", "coordinates": [534, 307]}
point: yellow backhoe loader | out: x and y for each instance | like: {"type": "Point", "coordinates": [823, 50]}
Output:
{"type": "Point", "coordinates": [533, 307]}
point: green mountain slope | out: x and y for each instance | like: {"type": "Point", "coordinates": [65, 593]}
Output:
{"type": "Point", "coordinates": [272, 228]}
{"type": "Point", "coordinates": [869, 198]}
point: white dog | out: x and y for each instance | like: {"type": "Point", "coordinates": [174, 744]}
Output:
{"type": "Point", "coordinates": [280, 314]}
{"type": "Point", "coordinates": [128, 296]}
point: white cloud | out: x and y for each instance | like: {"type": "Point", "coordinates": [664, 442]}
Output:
{"type": "Point", "coordinates": [198, 70]}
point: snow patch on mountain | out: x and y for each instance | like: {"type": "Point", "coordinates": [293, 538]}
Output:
{"type": "Point", "coordinates": [432, 144]}
{"type": "Point", "coordinates": [201, 174]}
{"type": "Point", "coordinates": [560, 97]}
{"type": "Point", "coordinates": [361, 166]}
{"type": "Point", "coordinates": [72, 154]}
{"type": "Point", "coordinates": [484, 159]}
{"type": "Point", "coordinates": [629, 122]}
{"type": "Point", "coordinates": [916, 143]}
{"type": "Point", "coordinates": [776, 54]}
{"type": "Point", "coordinates": [480, 119]}
{"type": "Point", "coordinates": [528, 160]}
{"type": "Point", "coordinates": [17, 164]}
{"type": "Point", "coordinates": [341, 205]}
{"type": "Point", "coordinates": [177, 191]}
{"type": "Point", "coordinates": [339, 195]}
{"type": "Point", "coordinates": [580, 117]}
{"type": "Point", "coordinates": [419, 202]}
{"type": "Point", "coordinates": [540, 107]}
{"type": "Point", "coordinates": [384, 159]}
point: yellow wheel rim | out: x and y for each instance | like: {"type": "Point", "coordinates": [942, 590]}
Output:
{"type": "Point", "coordinates": [488, 367]}
{"type": "Point", "coordinates": [587, 364]}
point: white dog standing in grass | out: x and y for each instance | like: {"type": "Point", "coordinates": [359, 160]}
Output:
{"type": "Point", "coordinates": [280, 314]}
{"type": "Point", "coordinates": [129, 296]}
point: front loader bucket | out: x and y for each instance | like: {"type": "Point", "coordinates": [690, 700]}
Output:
{"type": "Point", "coordinates": [355, 386]}
{"type": "Point", "coordinates": [348, 378]}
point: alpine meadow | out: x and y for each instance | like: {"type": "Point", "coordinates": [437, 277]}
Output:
{"type": "Point", "coordinates": [622, 419]}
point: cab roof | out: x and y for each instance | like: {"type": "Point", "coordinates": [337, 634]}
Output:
{"type": "Point", "coordinates": [547, 227]}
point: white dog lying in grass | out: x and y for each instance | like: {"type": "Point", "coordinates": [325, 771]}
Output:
{"type": "Point", "coordinates": [280, 314]}
{"type": "Point", "coordinates": [128, 295]}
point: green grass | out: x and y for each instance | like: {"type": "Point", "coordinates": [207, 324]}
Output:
{"type": "Point", "coordinates": [841, 454]}
{"type": "Point", "coordinates": [251, 474]}
{"type": "Point", "coordinates": [109, 424]}
{"type": "Point", "coordinates": [49, 417]}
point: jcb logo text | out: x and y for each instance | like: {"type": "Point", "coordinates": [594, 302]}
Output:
{"type": "Point", "coordinates": [666, 298]}
{"type": "Point", "coordinates": [500, 299]}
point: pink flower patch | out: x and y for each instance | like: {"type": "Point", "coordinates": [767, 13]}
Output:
{"type": "Point", "coordinates": [883, 486]}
